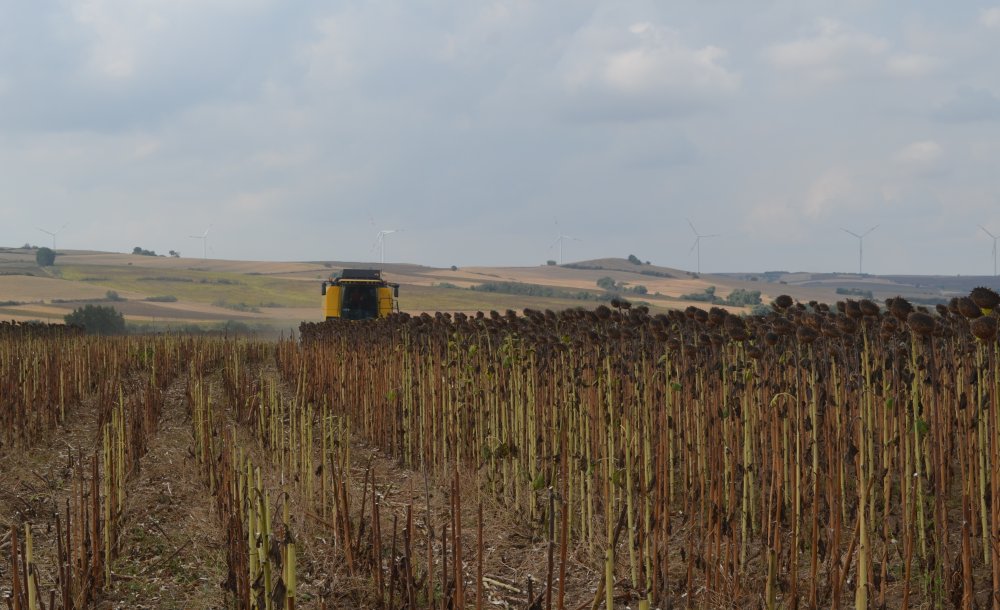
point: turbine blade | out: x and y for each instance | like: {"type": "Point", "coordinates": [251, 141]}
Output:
{"type": "Point", "coordinates": [869, 230]}
{"type": "Point", "coordinates": [691, 224]}
{"type": "Point", "coordinates": [987, 232]}
{"type": "Point", "coordinates": [695, 244]}
{"type": "Point", "coordinates": [851, 232]}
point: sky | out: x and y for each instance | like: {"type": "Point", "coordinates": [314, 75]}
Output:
{"type": "Point", "coordinates": [484, 130]}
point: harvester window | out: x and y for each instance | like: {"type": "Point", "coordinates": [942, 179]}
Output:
{"type": "Point", "coordinates": [360, 303]}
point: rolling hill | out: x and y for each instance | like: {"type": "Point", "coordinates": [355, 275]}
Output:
{"type": "Point", "coordinates": [168, 293]}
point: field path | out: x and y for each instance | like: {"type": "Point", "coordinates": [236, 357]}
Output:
{"type": "Point", "coordinates": [35, 483]}
{"type": "Point", "coordinates": [171, 547]}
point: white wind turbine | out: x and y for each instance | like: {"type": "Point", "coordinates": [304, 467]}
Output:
{"type": "Point", "coordinates": [380, 242]}
{"type": "Point", "coordinates": [995, 238]}
{"type": "Point", "coordinates": [697, 242]}
{"type": "Point", "coordinates": [559, 242]}
{"type": "Point", "coordinates": [204, 241]}
{"type": "Point", "coordinates": [861, 243]}
{"type": "Point", "coordinates": [53, 233]}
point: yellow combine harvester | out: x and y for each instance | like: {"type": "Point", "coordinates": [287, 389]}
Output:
{"type": "Point", "coordinates": [359, 294]}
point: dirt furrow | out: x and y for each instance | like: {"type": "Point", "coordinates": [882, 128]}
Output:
{"type": "Point", "coordinates": [171, 547]}
{"type": "Point", "coordinates": [35, 484]}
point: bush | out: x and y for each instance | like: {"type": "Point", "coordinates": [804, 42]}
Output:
{"type": "Point", "coordinates": [550, 263]}
{"type": "Point", "coordinates": [856, 292]}
{"type": "Point", "coordinates": [607, 283]}
{"type": "Point", "coordinates": [632, 258]}
{"type": "Point", "coordinates": [706, 297]}
{"type": "Point", "coordinates": [166, 298]}
{"type": "Point", "coordinates": [97, 320]}
{"type": "Point", "coordinates": [45, 257]}
{"type": "Point", "coordinates": [742, 298]}
{"type": "Point", "coordinates": [111, 295]}
{"type": "Point", "coordinates": [536, 290]}
{"type": "Point", "coordinates": [138, 250]}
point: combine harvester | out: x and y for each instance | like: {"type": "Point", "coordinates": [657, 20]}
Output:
{"type": "Point", "coordinates": [359, 294]}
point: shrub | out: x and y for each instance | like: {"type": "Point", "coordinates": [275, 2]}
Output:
{"type": "Point", "coordinates": [97, 320]}
{"type": "Point", "coordinates": [607, 283]}
{"type": "Point", "coordinates": [742, 298]}
{"type": "Point", "coordinates": [45, 257]}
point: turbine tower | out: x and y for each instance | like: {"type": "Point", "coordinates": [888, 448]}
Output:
{"type": "Point", "coordinates": [861, 243]}
{"type": "Point", "coordinates": [380, 242]}
{"type": "Point", "coordinates": [53, 233]}
{"type": "Point", "coordinates": [697, 242]}
{"type": "Point", "coordinates": [204, 241]}
{"type": "Point", "coordinates": [994, 248]}
{"type": "Point", "coordinates": [559, 242]}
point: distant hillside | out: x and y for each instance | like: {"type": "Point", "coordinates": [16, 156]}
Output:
{"type": "Point", "coordinates": [178, 292]}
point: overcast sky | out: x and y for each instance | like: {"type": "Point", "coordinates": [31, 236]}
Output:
{"type": "Point", "coordinates": [484, 130]}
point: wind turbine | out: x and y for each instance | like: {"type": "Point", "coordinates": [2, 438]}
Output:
{"type": "Point", "coordinates": [53, 234]}
{"type": "Point", "coordinates": [559, 241]}
{"type": "Point", "coordinates": [697, 241]}
{"type": "Point", "coordinates": [204, 241]}
{"type": "Point", "coordinates": [380, 242]}
{"type": "Point", "coordinates": [861, 243]}
{"type": "Point", "coordinates": [994, 248]}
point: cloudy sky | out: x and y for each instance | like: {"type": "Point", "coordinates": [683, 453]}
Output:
{"type": "Point", "coordinates": [484, 130]}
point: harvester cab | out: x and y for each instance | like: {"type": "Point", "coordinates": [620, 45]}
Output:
{"type": "Point", "coordinates": [359, 294]}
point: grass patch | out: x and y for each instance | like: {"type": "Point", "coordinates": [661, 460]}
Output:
{"type": "Point", "coordinates": [241, 306]}
{"type": "Point", "coordinates": [203, 286]}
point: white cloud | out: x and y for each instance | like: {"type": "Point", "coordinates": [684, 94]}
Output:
{"type": "Point", "coordinates": [118, 34]}
{"type": "Point", "coordinates": [922, 153]}
{"type": "Point", "coordinates": [146, 148]}
{"type": "Point", "coordinates": [775, 220]}
{"type": "Point", "coordinates": [969, 105]}
{"type": "Point", "coordinates": [990, 17]}
{"type": "Point", "coordinates": [826, 192]}
{"type": "Point", "coordinates": [911, 65]}
{"type": "Point", "coordinates": [644, 68]}
{"type": "Point", "coordinates": [832, 53]}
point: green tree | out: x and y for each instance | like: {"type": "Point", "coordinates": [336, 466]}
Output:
{"type": "Point", "coordinates": [607, 283]}
{"type": "Point", "coordinates": [97, 320]}
{"type": "Point", "coordinates": [742, 298]}
{"type": "Point", "coordinates": [632, 258]}
{"type": "Point", "coordinates": [45, 257]}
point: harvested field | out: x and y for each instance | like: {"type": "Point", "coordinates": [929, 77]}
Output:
{"type": "Point", "coordinates": [816, 456]}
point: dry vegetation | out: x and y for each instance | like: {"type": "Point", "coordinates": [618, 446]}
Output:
{"type": "Point", "coordinates": [813, 457]}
